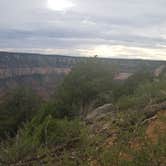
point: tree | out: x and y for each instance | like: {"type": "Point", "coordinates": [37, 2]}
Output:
{"type": "Point", "coordinates": [86, 82]}
{"type": "Point", "coordinates": [140, 77]}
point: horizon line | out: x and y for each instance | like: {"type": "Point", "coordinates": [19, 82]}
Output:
{"type": "Point", "coordinates": [80, 56]}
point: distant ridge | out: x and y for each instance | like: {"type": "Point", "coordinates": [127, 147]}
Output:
{"type": "Point", "coordinates": [78, 57]}
{"type": "Point", "coordinates": [29, 63]}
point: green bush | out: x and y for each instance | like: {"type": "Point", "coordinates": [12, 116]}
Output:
{"type": "Point", "coordinates": [49, 133]}
{"type": "Point", "coordinates": [17, 107]}
{"type": "Point", "coordinates": [147, 93]}
{"type": "Point", "coordinates": [139, 78]}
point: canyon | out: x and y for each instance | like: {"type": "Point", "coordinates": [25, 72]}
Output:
{"type": "Point", "coordinates": [44, 72]}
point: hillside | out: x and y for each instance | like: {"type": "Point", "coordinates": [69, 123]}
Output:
{"type": "Point", "coordinates": [110, 141]}
{"type": "Point", "coordinates": [91, 120]}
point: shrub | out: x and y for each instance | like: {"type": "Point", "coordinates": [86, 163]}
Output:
{"type": "Point", "coordinates": [18, 107]}
{"type": "Point", "coordinates": [49, 133]}
{"type": "Point", "coordinates": [147, 93]}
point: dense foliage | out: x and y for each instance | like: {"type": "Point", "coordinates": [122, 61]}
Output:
{"type": "Point", "coordinates": [17, 107]}
{"type": "Point", "coordinates": [88, 82]}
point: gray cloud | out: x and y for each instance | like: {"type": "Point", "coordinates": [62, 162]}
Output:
{"type": "Point", "coordinates": [30, 25]}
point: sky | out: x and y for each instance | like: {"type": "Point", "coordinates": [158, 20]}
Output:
{"type": "Point", "coordinates": [107, 28]}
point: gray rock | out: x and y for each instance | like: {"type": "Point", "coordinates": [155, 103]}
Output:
{"type": "Point", "coordinates": [100, 112]}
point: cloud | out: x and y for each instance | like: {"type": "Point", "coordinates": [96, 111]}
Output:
{"type": "Point", "coordinates": [117, 28]}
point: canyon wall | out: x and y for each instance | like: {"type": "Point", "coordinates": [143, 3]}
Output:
{"type": "Point", "coordinates": [45, 72]}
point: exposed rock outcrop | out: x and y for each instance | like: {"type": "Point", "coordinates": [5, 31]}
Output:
{"type": "Point", "coordinates": [100, 112]}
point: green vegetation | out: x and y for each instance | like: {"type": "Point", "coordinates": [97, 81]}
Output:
{"type": "Point", "coordinates": [88, 83]}
{"type": "Point", "coordinates": [150, 92]}
{"type": "Point", "coordinates": [54, 133]}
{"type": "Point", "coordinates": [16, 108]}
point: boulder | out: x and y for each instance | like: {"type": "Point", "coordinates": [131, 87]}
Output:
{"type": "Point", "coordinates": [100, 112]}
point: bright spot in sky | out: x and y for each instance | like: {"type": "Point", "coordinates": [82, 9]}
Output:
{"type": "Point", "coordinates": [60, 5]}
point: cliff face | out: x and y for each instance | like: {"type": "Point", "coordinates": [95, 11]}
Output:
{"type": "Point", "coordinates": [17, 64]}
{"type": "Point", "coordinates": [13, 72]}
{"type": "Point", "coordinates": [44, 72]}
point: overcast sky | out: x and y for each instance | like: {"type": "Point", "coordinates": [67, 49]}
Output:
{"type": "Point", "coordinates": [108, 28]}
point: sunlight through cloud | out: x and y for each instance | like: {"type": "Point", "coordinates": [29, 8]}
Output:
{"type": "Point", "coordinates": [61, 5]}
